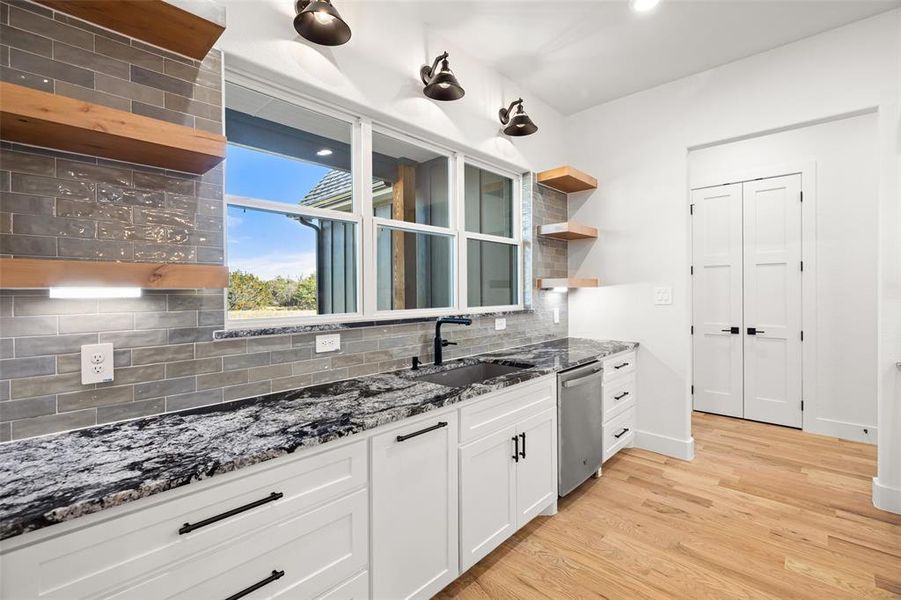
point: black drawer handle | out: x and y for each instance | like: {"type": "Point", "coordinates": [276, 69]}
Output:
{"type": "Point", "coordinates": [621, 433]}
{"type": "Point", "coordinates": [523, 451]}
{"type": "Point", "coordinates": [189, 527]}
{"type": "Point", "coordinates": [625, 364]}
{"type": "Point", "coordinates": [275, 576]}
{"type": "Point", "coordinates": [621, 396]}
{"type": "Point", "coordinates": [438, 425]}
{"type": "Point", "coordinates": [515, 448]}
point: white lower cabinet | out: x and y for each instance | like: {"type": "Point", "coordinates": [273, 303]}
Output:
{"type": "Point", "coordinates": [414, 508]}
{"type": "Point", "coordinates": [509, 476]}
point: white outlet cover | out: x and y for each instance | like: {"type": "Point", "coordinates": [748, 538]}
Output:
{"type": "Point", "coordinates": [500, 324]}
{"type": "Point", "coordinates": [328, 343]}
{"type": "Point", "coordinates": [96, 363]}
{"type": "Point", "coordinates": [663, 295]}
{"type": "Point", "coordinates": [556, 315]}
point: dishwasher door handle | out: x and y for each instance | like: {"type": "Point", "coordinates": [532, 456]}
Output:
{"type": "Point", "coordinates": [583, 380]}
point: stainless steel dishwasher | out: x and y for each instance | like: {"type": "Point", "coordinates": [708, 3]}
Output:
{"type": "Point", "coordinates": [579, 426]}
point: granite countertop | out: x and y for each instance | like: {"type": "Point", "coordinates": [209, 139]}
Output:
{"type": "Point", "coordinates": [60, 477]}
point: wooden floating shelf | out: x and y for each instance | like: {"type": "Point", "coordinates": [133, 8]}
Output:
{"type": "Point", "coordinates": [163, 24]}
{"type": "Point", "coordinates": [31, 273]}
{"type": "Point", "coordinates": [40, 119]}
{"type": "Point", "coordinates": [567, 180]}
{"type": "Point", "coordinates": [568, 282]}
{"type": "Point", "coordinates": [568, 231]}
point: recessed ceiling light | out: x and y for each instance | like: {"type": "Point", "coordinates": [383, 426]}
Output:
{"type": "Point", "coordinates": [324, 152]}
{"type": "Point", "coordinates": [644, 5]}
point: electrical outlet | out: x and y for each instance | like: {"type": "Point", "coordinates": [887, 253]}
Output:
{"type": "Point", "coordinates": [328, 343]}
{"type": "Point", "coordinates": [500, 324]}
{"type": "Point", "coordinates": [663, 295]}
{"type": "Point", "coordinates": [96, 363]}
{"type": "Point", "coordinates": [556, 315]}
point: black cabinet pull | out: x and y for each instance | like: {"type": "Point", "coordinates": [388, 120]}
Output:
{"type": "Point", "coordinates": [275, 575]}
{"type": "Point", "coordinates": [515, 439]}
{"type": "Point", "coordinates": [621, 396]}
{"type": "Point", "coordinates": [621, 433]}
{"type": "Point", "coordinates": [755, 331]}
{"type": "Point", "coordinates": [625, 364]}
{"type": "Point", "coordinates": [731, 330]}
{"type": "Point", "coordinates": [437, 425]}
{"type": "Point", "coordinates": [522, 452]}
{"type": "Point", "coordinates": [189, 527]}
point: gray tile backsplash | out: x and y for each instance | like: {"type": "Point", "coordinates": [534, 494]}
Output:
{"type": "Point", "coordinates": [59, 205]}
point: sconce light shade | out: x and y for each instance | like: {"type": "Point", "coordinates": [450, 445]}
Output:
{"type": "Point", "coordinates": [440, 84]}
{"type": "Point", "coordinates": [319, 22]}
{"type": "Point", "coordinates": [518, 123]}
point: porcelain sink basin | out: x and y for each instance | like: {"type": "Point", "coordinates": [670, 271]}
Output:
{"type": "Point", "coordinates": [463, 376]}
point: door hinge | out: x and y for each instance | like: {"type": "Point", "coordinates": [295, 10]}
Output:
{"type": "Point", "coordinates": [802, 335]}
{"type": "Point", "coordinates": [802, 266]}
{"type": "Point", "coordinates": [691, 209]}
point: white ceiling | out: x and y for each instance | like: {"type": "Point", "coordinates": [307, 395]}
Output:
{"type": "Point", "coordinates": [574, 54]}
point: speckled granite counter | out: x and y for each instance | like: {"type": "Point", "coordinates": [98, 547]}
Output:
{"type": "Point", "coordinates": [60, 477]}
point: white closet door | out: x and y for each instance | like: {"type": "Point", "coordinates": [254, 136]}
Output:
{"type": "Point", "coordinates": [717, 299]}
{"type": "Point", "coordinates": [772, 267]}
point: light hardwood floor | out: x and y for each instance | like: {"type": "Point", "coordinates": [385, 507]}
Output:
{"type": "Point", "coordinates": [762, 512]}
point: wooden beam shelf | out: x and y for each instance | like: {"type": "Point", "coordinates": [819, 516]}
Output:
{"type": "Point", "coordinates": [567, 180]}
{"type": "Point", "coordinates": [32, 273]}
{"type": "Point", "coordinates": [190, 29]}
{"type": "Point", "coordinates": [41, 119]}
{"type": "Point", "coordinates": [567, 231]}
{"type": "Point", "coordinates": [567, 282]}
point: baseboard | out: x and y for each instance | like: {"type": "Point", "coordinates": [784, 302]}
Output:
{"type": "Point", "coordinates": [662, 444]}
{"type": "Point", "coordinates": [886, 498]}
{"type": "Point", "coordinates": [842, 430]}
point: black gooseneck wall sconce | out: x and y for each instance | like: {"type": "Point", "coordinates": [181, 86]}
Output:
{"type": "Point", "coordinates": [319, 22]}
{"type": "Point", "coordinates": [440, 84]}
{"type": "Point", "coordinates": [518, 123]}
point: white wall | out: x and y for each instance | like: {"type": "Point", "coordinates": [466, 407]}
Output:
{"type": "Point", "coordinates": [377, 74]}
{"type": "Point", "coordinates": [638, 146]}
{"type": "Point", "coordinates": [841, 349]}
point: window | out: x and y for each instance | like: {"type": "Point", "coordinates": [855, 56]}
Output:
{"type": "Point", "coordinates": [492, 242]}
{"type": "Point", "coordinates": [309, 241]}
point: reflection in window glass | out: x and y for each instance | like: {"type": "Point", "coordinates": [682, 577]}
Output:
{"type": "Point", "coordinates": [283, 265]}
{"type": "Point", "coordinates": [492, 274]}
{"type": "Point", "coordinates": [413, 270]}
{"type": "Point", "coordinates": [308, 164]}
{"type": "Point", "coordinates": [489, 202]}
{"type": "Point", "coordinates": [409, 183]}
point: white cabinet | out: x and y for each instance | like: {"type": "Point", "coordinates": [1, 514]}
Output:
{"type": "Point", "coordinates": [536, 471]}
{"type": "Point", "coordinates": [414, 508]}
{"type": "Point", "coordinates": [509, 476]}
{"type": "Point", "coordinates": [620, 396]}
{"type": "Point", "coordinates": [488, 506]}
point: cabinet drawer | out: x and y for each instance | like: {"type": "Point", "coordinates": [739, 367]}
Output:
{"type": "Point", "coordinates": [117, 553]}
{"type": "Point", "coordinates": [355, 588]}
{"type": "Point", "coordinates": [619, 433]}
{"type": "Point", "coordinates": [309, 553]}
{"type": "Point", "coordinates": [619, 365]}
{"type": "Point", "coordinates": [506, 407]}
{"type": "Point", "coordinates": [619, 395]}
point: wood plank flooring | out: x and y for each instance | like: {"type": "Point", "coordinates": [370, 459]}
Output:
{"type": "Point", "coordinates": [762, 512]}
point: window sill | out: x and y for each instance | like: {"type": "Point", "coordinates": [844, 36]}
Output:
{"type": "Point", "coordinates": [264, 330]}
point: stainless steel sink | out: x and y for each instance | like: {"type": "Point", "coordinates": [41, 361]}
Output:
{"type": "Point", "coordinates": [463, 376]}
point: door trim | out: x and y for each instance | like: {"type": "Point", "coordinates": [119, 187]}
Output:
{"type": "Point", "coordinates": [807, 168]}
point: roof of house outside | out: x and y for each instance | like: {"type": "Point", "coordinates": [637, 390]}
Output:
{"type": "Point", "coordinates": [335, 189]}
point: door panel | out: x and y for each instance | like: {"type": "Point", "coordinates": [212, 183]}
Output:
{"type": "Point", "coordinates": [536, 471]}
{"type": "Point", "coordinates": [772, 281]}
{"type": "Point", "coordinates": [717, 299]}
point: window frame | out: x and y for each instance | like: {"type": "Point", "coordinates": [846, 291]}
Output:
{"type": "Point", "coordinates": [367, 224]}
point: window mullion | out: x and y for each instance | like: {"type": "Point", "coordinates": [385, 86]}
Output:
{"type": "Point", "coordinates": [362, 181]}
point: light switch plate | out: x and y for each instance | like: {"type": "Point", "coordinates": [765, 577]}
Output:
{"type": "Point", "coordinates": [500, 324]}
{"type": "Point", "coordinates": [96, 363]}
{"type": "Point", "coordinates": [328, 343]}
{"type": "Point", "coordinates": [663, 295]}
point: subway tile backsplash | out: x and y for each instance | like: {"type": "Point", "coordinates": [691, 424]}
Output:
{"type": "Point", "coordinates": [59, 205]}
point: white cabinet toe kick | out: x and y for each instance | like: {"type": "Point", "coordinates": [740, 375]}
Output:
{"type": "Point", "coordinates": [396, 512]}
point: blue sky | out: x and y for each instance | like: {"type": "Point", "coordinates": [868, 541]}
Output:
{"type": "Point", "coordinates": [269, 244]}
